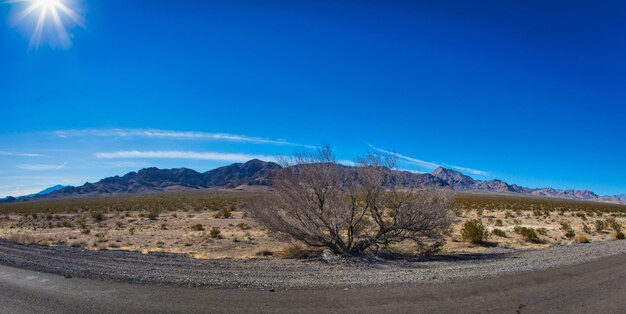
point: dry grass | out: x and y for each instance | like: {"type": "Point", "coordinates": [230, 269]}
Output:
{"type": "Point", "coordinates": [130, 227]}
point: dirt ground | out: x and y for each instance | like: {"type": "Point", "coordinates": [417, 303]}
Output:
{"type": "Point", "coordinates": [204, 234]}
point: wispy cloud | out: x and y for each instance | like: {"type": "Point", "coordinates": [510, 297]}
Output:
{"type": "Point", "coordinates": [16, 154]}
{"type": "Point", "coordinates": [411, 170]}
{"type": "Point", "coordinates": [407, 158]}
{"type": "Point", "coordinates": [157, 133]}
{"type": "Point", "coordinates": [346, 162]}
{"type": "Point", "coordinates": [428, 164]}
{"type": "Point", "coordinates": [128, 164]}
{"type": "Point", "coordinates": [218, 156]}
{"type": "Point", "coordinates": [470, 170]}
{"type": "Point", "coordinates": [41, 167]}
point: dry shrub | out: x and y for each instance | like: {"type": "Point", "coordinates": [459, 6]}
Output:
{"type": "Point", "coordinates": [581, 239]}
{"type": "Point", "coordinates": [76, 243]}
{"type": "Point", "coordinates": [298, 252]}
{"type": "Point", "coordinates": [23, 238]}
{"type": "Point", "coordinates": [363, 209]}
{"type": "Point", "coordinates": [197, 227]}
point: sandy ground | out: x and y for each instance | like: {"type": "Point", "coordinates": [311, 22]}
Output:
{"type": "Point", "coordinates": [204, 234]}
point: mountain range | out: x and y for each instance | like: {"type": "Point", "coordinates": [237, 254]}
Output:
{"type": "Point", "coordinates": [257, 172]}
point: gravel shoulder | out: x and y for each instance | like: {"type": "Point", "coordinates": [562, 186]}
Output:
{"type": "Point", "coordinates": [180, 270]}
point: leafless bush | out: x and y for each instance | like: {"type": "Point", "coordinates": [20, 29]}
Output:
{"type": "Point", "coordinates": [367, 208]}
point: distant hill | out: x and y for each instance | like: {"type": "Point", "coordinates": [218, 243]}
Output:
{"type": "Point", "coordinates": [257, 172]}
{"type": "Point", "coordinates": [42, 192]}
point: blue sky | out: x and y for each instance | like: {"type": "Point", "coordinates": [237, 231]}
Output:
{"type": "Point", "coordinates": [531, 92]}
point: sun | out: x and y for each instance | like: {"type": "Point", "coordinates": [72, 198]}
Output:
{"type": "Point", "coordinates": [51, 17]}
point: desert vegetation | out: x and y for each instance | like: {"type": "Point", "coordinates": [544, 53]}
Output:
{"type": "Point", "coordinates": [319, 203]}
{"type": "Point", "coordinates": [217, 224]}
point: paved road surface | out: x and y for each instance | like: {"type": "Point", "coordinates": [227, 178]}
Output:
{"type": "Point", "coordinates": [594, 287]}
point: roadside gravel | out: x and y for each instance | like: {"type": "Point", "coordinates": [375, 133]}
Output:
{"type": "Point", "coordinates": [180, 270]}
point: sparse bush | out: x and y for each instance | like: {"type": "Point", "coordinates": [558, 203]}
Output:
{"type": "Point", "coordinates": [619, 235]}
{"type": "Point", "coordinates": [616, 226]}
{"type": "Point", "coordinates": [154, 214]}
{"type": "Point", "coordinates": [215, 232]}
{"type": "Point", "coordinates": [321, 204]}
{"type": "Point", "coordinates": [499, 222]}
{"type": "Point", "coordinates": [529, 234]}
{"type": "Point", "coordinates": [474, 231]}
{"type": "Point", "coordinates": [223, 213]}
{"type": "Point", "coordinates": [197, 227]}
{"type": "Point", "coordinates": [22, 238]}
{"type": "Point", "coordinates": [542, 231]}
{"type": "Point", "coordinates": [567, 228]}
{"type": "Point", "coordinates": [586, 229]}
{"type": "Point", "coordinates": [243, 226]}
{"type": "Point", "coordinates": [164, 226]}
{"type": "Point", "coordinates": [600, 225]}
{"type": "Point", "coordinates": [131, 230]}
{"type": "Point", "coordinates": [76, 243]}
{"type": "Point", "coordinates": [498, 232]}
{"type": "Point", "coordinates": [97, 215]}
{"type": "Point", "coordinates": [264, 253]}
{"type": "Point", "coordinates": [581, 239]}
{"type": "Point", "coordinates": [297, 252]}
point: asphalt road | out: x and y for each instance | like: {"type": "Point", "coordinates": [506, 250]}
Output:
{"type": "Point", "coordinates": [594, 287]}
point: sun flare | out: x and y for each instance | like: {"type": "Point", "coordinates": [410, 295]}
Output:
{"type": "Point", "coordinates": [54, 14]}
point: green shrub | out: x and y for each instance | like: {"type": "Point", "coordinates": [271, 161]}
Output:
{"type": "Point", "coordinates": [600, 225]}
{"type": "Point", "coordinates": [529, 234]}
{"type": "Point", "coordinates": [215, 232]}
{"type": "Point", "coordinates": [97, 215]}
{"type": "Point", "coordinates": [243, 226]}
{"type": "Point", "coordinates": [542, 231]}
{"type": "Point", "coordinates": [474, 231]}
{"type": "Point", "coordinates": [498, 232]}
{"type": "Point", "coordinates": [619, 235]}
{"type": "Point", "coordinates": [567, 228]}
{"type": "Point", "coordinates": [154, 214]}
{"type": "Point", "coordinates": [224, 213]}
{"type": "Point", "coordinates": [197, 227]}
{"type": "Point", "coordinates": [616, 226]}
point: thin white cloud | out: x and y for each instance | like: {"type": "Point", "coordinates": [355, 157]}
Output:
{"type": "Point", "coordinates": [157, 133]}
{"type": "Point", "coordinates": [407, 158]}
{"type": "Point", "coordinates": [231, 157]}
{"type": "Point", "coordinates": [346, 162]}
{"type": "Point", "coordinates": [411, 171]}
{"type": "Point", "coordinates": [16, 154]}
{"type": "Point", "coordinates": [41, 167]}
{"type": "Point", "coordinates": [428, 164]}
{"type": "Point", "coordinates": [470, 170]}
{"type": "Point", "coordinates": [128, 164]}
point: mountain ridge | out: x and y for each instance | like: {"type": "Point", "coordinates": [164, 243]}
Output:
{"type": "Point", "coordinates": [258, 172]}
